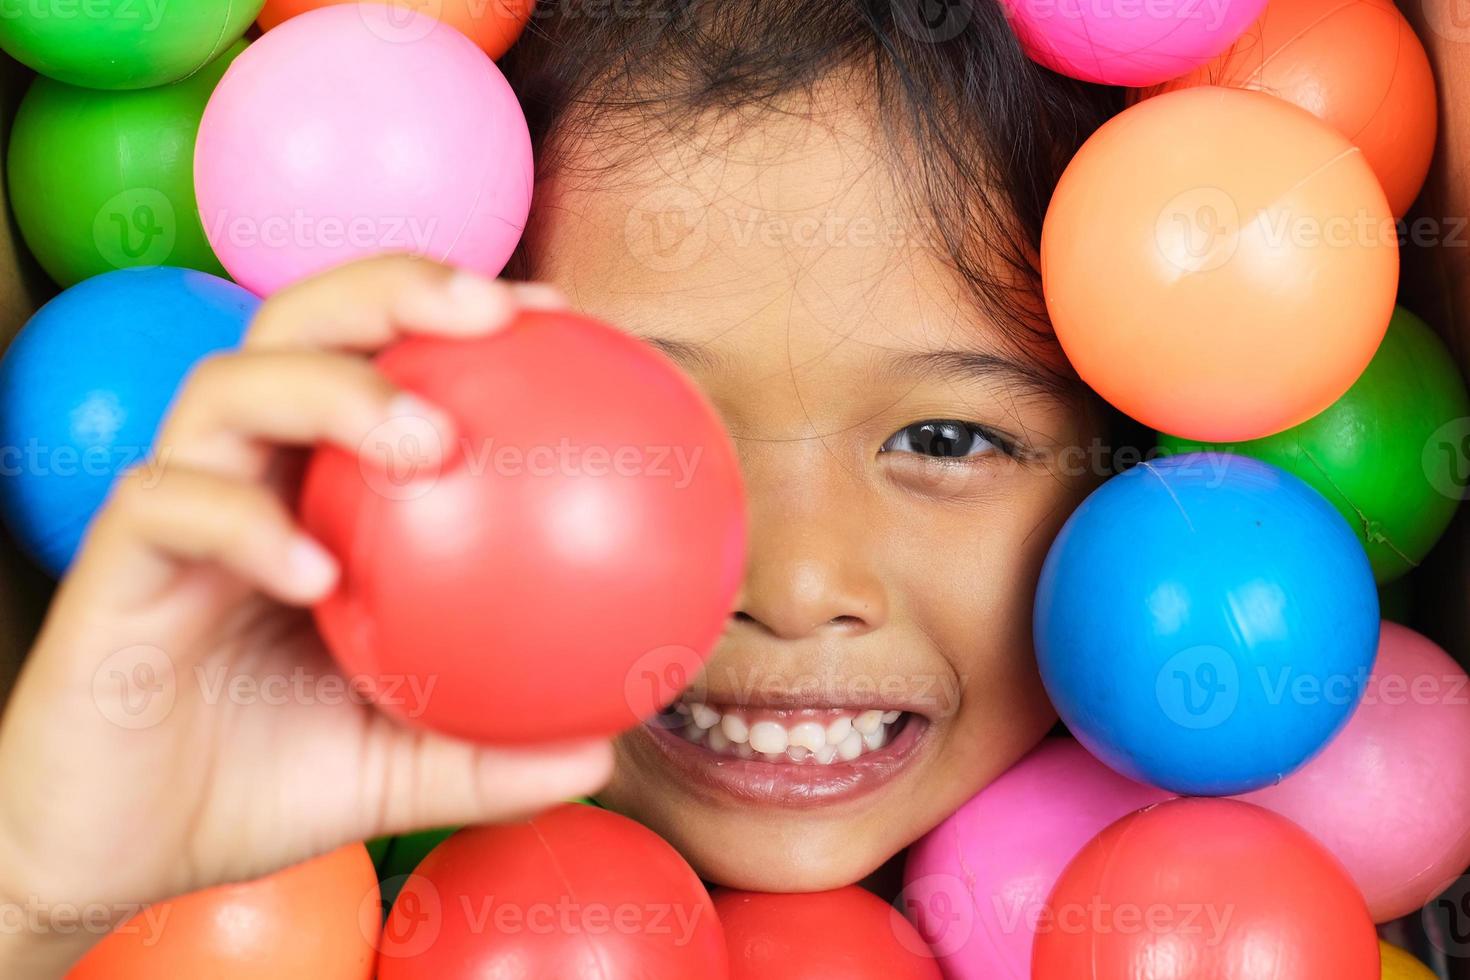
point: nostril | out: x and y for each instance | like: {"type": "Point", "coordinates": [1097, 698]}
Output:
{"type": "Point", "coordinates": [846, 621]}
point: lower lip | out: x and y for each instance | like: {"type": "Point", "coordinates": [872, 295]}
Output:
{"type": "Point", "coordinates": [792, 785]}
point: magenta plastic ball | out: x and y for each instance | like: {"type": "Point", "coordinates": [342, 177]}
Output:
{"type": "Point", "coordinates": [975, 884]}
{"type": "Point", "coordinates": [353, 131]}
{"type": "Point", "coordinates": [1390, 795]}
{"type": "Point", "coordinates": [1128, 42]}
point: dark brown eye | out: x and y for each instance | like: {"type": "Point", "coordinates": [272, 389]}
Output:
{"type": "Point", "coordinates": [941, 439]}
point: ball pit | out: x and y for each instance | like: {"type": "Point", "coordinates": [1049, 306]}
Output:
{"type": "Point", "coordinates": [567, 573]}
{"type": "Point", "coordinates": [315, 921]}
{"type": "Point", "coordinates": [1366, 453]}
{"type": "Point", "coordinates": [848, 933]}
{"type": "Point", "coordinates": [492, 24]}
{"type": "Point", "coordinates": [1357, 65]}
{"type": "Point", "coordinates": [122, 44]}
{"type": "Point", "coordinates": [1219, 264]}
{"type": "Point", "coordinates": [1205, 888]}
{"type": "Point", "coordinates": [331, 139]}
{"type": "Point", "coordinates": [1187, 613]}
{"type": "Point", "coordinates": [571, 893]}
{"type": "Point", "coordinates": [1010, 842]}
{"type": "Point", "coordinates": [105, 180]}
{"type": "Point", "coordinates": [1390, 796]}
{"type": "Point", "coordinates": [1118, 42]}
{"type": "Point", "coordinates": [85, 385]}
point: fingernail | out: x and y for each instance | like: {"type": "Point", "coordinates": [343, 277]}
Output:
{"type": "Point", "coordinates": [539, 296]}
{"type": "Point", "coordinates": [313, 569]}
{"type": "Point", "coordinates": [464, 305]}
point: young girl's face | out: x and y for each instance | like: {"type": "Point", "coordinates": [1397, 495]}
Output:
{"type": "Point", "coordinates": [906, 472]}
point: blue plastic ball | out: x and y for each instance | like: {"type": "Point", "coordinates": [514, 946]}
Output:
{"type": "Point", "coordinates": [85, 385]}
{"type": "Point", "coordinates": [1206, 623]}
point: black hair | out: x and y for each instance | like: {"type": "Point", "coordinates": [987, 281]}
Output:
{"type": "Point", "coordinates": [988, 131]}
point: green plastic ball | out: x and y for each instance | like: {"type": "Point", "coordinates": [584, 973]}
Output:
{"type": "Point", "coordinates": [105, 180]}
{"type": "Point", "coordinates": [122, 44]}
{"type": "Point", "coordinates": [1370, 453]}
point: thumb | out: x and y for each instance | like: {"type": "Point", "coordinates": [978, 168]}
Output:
{"type": "Point", "coordinates": [430, 781]}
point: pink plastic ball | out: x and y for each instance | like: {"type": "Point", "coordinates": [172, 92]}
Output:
{"type": "Point", "coordinates": [975, 885]}
{"type": "Point", "coordinates": [1390, 796]}
{"type": "Point", "coordinates": [1128, 42]}
{"type": "Point", "coordinates": [353, 131]}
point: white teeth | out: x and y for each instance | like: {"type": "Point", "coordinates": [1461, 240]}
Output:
{"type": "Point", "coordinates": [809, 735]}
{"type": "Point", "coordinates": [768, 736]}
{"type": "Point", "coordinates": [735, 728]}
{"type": "Point", "coordinates": [838, 730]}
{"type": "Point", "coordinates": [717, 740]}
{"type": "Point", "coordinates": [845, 737]}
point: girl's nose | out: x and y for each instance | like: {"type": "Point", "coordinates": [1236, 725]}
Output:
{"type": "Point", "coordinates": [810, 575]}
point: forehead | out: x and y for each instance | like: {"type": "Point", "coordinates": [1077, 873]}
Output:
{"type": "Point", "coordinates": [796, 229]}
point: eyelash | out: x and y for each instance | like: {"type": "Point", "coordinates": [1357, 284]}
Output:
{"type": "Point", "coordinates": [997, 442]}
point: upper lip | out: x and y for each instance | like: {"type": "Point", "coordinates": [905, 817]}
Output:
{"type": "Point", "coordinates": [778, 700]}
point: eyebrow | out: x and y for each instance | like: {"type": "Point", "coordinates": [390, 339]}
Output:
{"type": "Point", "coordinates": [954, 365]}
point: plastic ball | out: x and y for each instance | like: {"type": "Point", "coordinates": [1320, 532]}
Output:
{"type": "Point", "coordinates": [1205, 623]}
{"type": "Point", "coordinates": [1124, 42]}
{"type": "Point", "coordinates": [492, 24]}
{"type": "Point", "coordinates": [122, 44]}
{"type": "Point", "coordinates": [1399, 965]}
{"type": "Point", "coordinates": [1390, 796]}
{"type": "Point", "coordinates": [574, 893]}
{"type": "Point", "coordinates": [1219, 264]}
{"type": "Point", "coordinates": [1357, 65]}
{"type": "Point", "coordinates": [316, 921]}
{"type": "Point", "coordinates": [1205, 888]}
{"type": "Point", "coordinates": [85, 385]}
{"type": "Point", "coordinates": [105, 180]}
{"type": "Point", "coordinates": [848, 933]}
{"type": "Point", "coordinates": [1366, 453]}
{"type": "Point", "coordinates": [401, 855]}
{"type": "Point", "coordinates": [1009, 844]}
{"type": "Point", "coordinates": [568, 571]}
{"type": "Point", "coordinates": [337, 136]}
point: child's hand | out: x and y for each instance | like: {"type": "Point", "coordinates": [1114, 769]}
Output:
{"type": "Point", "coordinates": [179, 723]}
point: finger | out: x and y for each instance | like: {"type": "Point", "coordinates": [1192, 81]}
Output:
{"type": "Point", "coordinates": [366, 305]}
{"type": "Point", "coordinates": [432, 780]}
{"type": "Point", "coordinates": [162, 517]}
{"type": "Point", "coordinates": [234, 408]}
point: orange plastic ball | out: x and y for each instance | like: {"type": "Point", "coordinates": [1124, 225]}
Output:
{"type": "Point", "coordinates": [1219, 264]}
{"type": "Point", "coordinates": [316, 921]}
{"type": "Point", "coordinates": [492, 24]}
{"type": "Point", "coordinates": [1355, 64]}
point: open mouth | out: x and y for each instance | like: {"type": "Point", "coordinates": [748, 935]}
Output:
{"type": "Point", "coordinates": [788, 756]}
{"type": "Point", "coordinates": [804, 736]}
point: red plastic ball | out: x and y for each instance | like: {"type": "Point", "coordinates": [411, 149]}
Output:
{"type": "Point", "coordinates": [574, 893]}
{"type": "Point", "coordinates": [567, 570]}
{"type": "Point", "coordinates": [848, 933]}
{"type": "Point", "coordinates": [1201, 889]}
{"type": "Point", "coordinates": [315, 921]}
